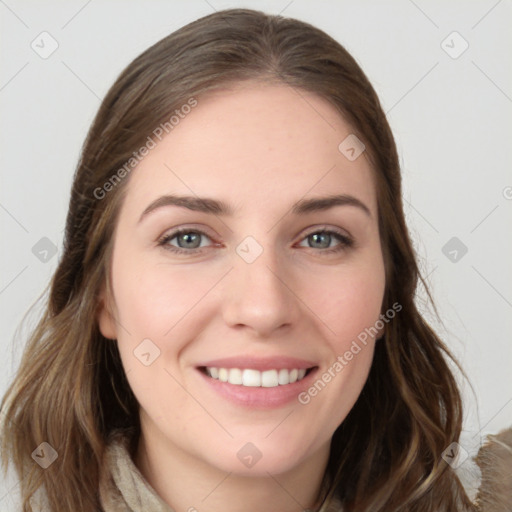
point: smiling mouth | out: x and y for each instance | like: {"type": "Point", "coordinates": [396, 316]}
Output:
{"type": "Point", "coordinates": [248, 377]}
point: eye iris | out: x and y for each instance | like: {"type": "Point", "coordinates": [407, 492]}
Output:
{"type": "Point", "coordinates": [319, 240]}
{"type": "Point", "coordinates": [192, 240]}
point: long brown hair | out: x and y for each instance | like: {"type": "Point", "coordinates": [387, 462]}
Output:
{"type": "Point", "coordinates": [71, 390]}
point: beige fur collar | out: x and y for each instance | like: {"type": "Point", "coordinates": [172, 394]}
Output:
{"type": "Point", "coordinates": [495, 462]}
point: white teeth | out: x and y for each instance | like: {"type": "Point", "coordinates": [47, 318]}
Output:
{"type": "Point", "coordinates": [255, 378]}
{"type": "Point", "coordinates": [269, 379]}
{"type": "Point", "coordinates": [251, 378]}
{"type": "Point", "coordinates": [235, 376]}
{"type": "Point", "coordinates": [284, 377]}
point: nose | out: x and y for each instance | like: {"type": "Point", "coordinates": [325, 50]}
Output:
{"type": "Point", "coordinates": [259, 297]}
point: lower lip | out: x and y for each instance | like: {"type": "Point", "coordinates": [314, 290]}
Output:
{"type": "Point", "coordinates": [259, 397]}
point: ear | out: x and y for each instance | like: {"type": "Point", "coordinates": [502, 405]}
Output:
{"type": "Point", "coordinates": [105, 317]}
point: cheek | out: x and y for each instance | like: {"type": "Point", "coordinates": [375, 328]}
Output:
{"type": "Point", "coordinates": [349, 305]}
{"type": "Point", "coordinates": [152, 299]}
{"type": "Point", "coordinates": [347, 301]}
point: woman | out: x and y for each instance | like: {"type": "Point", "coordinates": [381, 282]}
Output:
{"type": "Point", "coordinates": [232, 323]}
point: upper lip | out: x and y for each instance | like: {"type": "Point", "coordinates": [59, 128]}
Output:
{"type": "Point", "coordinates": [260, 363]}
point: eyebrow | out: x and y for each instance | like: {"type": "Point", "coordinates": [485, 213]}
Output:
{"type": "Point", "coordinates": [216, 207]}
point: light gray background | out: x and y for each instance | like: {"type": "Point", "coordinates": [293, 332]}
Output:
{"type": "Point", "coordinates": [451, 118]}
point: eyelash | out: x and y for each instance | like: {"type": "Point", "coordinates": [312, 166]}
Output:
{"type": "Point", "coordinates": [345, 241]}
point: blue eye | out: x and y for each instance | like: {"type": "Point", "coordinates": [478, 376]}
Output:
{"type": "Point", "coordinates": [322, 240]}
{"type": "Point", "coordinates": [189, 241]}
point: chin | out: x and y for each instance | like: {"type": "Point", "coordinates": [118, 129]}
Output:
{"type": "Point", "coordinates": [258, 459]}
{"type": "Point", "coordinates": [262, 467]}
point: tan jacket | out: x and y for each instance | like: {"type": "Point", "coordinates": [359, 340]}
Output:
{"type": "Point", "coordinates": [124, 489]}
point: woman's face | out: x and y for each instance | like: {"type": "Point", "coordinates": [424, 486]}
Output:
{"type": "Point", "coordinates": [268, 282]}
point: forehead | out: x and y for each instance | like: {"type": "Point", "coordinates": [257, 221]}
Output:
{"type": "Point", "coordinates": [254, 145]}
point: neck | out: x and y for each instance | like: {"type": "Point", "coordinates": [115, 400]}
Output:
{"type": "Point", "coordinates": [189, 484]}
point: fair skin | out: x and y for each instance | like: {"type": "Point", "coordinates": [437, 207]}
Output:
{"type": "Point", "coordinates": [260, 149]}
